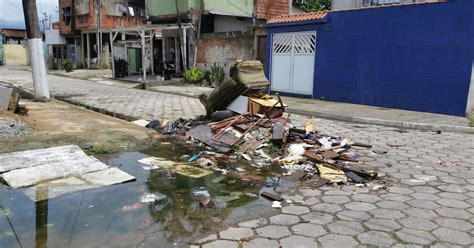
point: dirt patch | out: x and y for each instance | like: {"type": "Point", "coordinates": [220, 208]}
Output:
{"type": "Point", "coordinates": [55, 123]}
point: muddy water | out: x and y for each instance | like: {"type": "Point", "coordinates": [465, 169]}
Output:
{"type": "Point", "coordinates": [115, 216]}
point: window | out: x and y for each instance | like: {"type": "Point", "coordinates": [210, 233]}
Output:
{"type": "Point", "coordinates": [67, 16]}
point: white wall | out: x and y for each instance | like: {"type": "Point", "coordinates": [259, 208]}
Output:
{"type": "Point", "coordinates": [53, 37]}
{"type": "Point", "coordinates": [345, 4]}
{"type": "Point", "coordinates": [224, 24]}
{"type": "Point", "coordinates": [470, 99]}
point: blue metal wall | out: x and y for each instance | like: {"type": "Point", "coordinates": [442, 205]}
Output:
{"type": "Point", "coordinates": [414, 57]}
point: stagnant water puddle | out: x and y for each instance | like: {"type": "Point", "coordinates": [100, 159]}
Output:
{"type": "Point", "coordinates": [115, 216]}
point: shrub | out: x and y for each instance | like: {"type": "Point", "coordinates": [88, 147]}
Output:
{"type": "Point", "coordinates": [68, 65]}
{"type": "Point", "coordinates": [121, 68]}
{"type": "Point", "coordinates": [195, 75]}
{"type": "Point", "coordinates": [217, 74]}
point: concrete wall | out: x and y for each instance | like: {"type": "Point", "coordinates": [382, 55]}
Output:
{"type": "Point", "coordinates": [415, 57]}
{"type": "Point", "coordinates": [224, 49]}
{"type": "Point", "coordinates": [231, 24]}
{"type": "Point", "coordinates": [234, 7]}
{"type": "Point", "coordinates": [15, 54]}
{"type": "Point", "coordinates": [53, 37]}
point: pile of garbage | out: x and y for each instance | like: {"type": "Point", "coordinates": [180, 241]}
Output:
{"type": "Point", "coordinates": [245, 123]}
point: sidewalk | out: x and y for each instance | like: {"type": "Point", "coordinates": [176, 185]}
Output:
{"type": "Point", "coordinates": [350, 112]}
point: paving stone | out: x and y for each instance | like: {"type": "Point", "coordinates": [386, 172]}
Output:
{"type": "Point", "coordinates": [336, 199]}
{"type": "Point", "coordinates": [260, 243]}
{"type": "Point", "coordinates": [311, 201]}
{"type": "Point", "coordinates": [415, 236]}
{"type": "Point", "coordinates": [420, 213]}
{"type": "Point", "coordinates": [310, 230]}
{"type": "Point", "coordinates": [382, 225]}
{"type": "Point", "coordinates": [452, 188]}
{"type": "Point", "coordinates": [346, 227]}
{"type": "Point", "coordinates": [445, 245]}
{"type": "Point", "coordinates": [337, 192]}
{"type": "Point", "coordinates": [425, 189]}
{"type": "Point", "coordinates": [418, 223]}
{"type": "Point", "coordinates": [366, 198]}
{"type": "Point", "coordinates": [360, 206]}
{"type": "Point", "coordinates": [335, 240]}
{"type": "Point", "coordinates": [284, 219]}
{"type": "Point", "coordinates": [295, 210]}
{"type": "Point", "coordinates": [396, 197]}
{"type": "Point", "coordinates": [273, 232]}
{"type": "Point", "coordinates": [387, 213]}
{"type": "Point", "coordinates": [423, 204]}
{"type": "Point", "coordinates": [375, 238]}
{"type": "Point", "coordinates": [352, 215]}
{"type": "Point", "coordinates": [455, 196]}
{"type": "Point", "coordinates": [453, 213]}
{"type": "Point", "coordinates": [457, 224]}
{"type": "Point", "coordinates": [310, 192]}
{"type": "Point", "coordinates": [221, 243]}
{"type": "Point", "coordinates": [453, 203]}
{"type": "Point", "coordinates": [326, 208]}
{"type": "Point", "coordinates": [392, 205]}
{"type": "Point", "coordinates": [254, 223]}
{"type": "Point", "coordinates": [318, 218]}
{"type": "Point", "coordinates": [293, 198]}
{"type": "Point", "coordinates": [424, 196]}
{"type": "Point", "coordinates": [400, 190]}
{"type": "Point", "coordinates": [296, 241]}
{"type": "Point", "coordinates": [207, 239]}
{"type": "Point", "coordinates": [453, 236]}
{"type": "Point", "coordinates": [239, 233]}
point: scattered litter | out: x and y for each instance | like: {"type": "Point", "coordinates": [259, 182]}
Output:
{"type": "Point", "coordinates": [276, 204]}
{"type": "Point", "coordinates": [251, 195]}
{"type": "Point", "coordinates": [142, 123]}
{"type": "Point", "coordinates": [271, 196]}
{"type": "Point", "coordinates": [446, 163]}
{"type": "Point", "coordinates": [129, 208]}
{"type": "Point", "coordinates": [152, 197]}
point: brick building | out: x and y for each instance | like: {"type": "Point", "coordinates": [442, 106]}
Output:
{"type": "Point", "coordinates": [86, 25]}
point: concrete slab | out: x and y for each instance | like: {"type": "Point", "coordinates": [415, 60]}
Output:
{"type": "Point", "coordinates": [68, 185]}
{"type": "Point", "coordinates": [18, 160]}
{"type": "Point", "coordinates": [5, 94]}
{"type": "Point", "coordinates": [107, 177]}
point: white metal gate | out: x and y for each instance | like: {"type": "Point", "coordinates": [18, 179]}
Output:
{"type": "Point", "coordinates": [292, 66]}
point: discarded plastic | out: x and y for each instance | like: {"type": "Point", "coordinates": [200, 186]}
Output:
{"type": "Point", "coordinates": [150, 198]}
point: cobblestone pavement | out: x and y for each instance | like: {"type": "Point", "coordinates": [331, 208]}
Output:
{"type": "Point", "coordinates": [128, 102]}
{"type": "Point", "coordinates": [428, 204]}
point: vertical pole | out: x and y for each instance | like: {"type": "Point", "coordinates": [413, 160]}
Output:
{"type": "Point", "coordinates": [180, 35]}
{"type": "Point", "coordinates": [142, 34]}
{"type": "Point", "coordinates": [88, 38]}
{"type": "Point", "coordinates": [152, 60]}
{"type": "Point", "coordinates": [184, 45]}
{"type": "Point", "coordinates": [35, 49]}
{"type": "Point", "coordinates": [111, 36]}
{"type": "Point", "coordinates": [163, 53]}
{"type": "Point", "coordinates": [97, 43]}
{"type": "Point", "coordinates": [177, 55]}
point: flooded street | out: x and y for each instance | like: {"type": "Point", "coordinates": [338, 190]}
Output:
{"type": "Point", "coordinates": [116, 215]}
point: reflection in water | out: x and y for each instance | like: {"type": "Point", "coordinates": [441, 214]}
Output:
{"type": "Point", "coordinates": [41, 238]}
{"type": "Point", "coordinates": [115, 216]}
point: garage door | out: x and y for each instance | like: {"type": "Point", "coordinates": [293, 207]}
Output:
{"type": "Point", "coordinates": [292, 68]}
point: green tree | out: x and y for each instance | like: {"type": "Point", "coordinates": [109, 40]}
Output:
{"type": "Point", "coordinates": [312, 5]}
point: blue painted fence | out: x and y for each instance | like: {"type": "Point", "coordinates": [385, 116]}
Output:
{"type": "Point", "coordinates": [415, 57]}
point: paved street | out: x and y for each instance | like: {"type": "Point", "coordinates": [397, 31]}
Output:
{"type": "Point", "coordinates": [427, 204]}
{"type": "Point", "coordinates": [128, 102]}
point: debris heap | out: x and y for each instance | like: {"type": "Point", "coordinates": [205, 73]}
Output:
{"type": "Point", "coordinates": [244, 122]}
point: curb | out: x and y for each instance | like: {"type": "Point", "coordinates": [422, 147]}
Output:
{"type": "Point", "coordinates": [386, 123]}
{"type": "Point", "coordinates": [172, 93]}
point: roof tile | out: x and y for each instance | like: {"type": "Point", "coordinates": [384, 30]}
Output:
{"type": "Point", "coordinates": [311, 16]}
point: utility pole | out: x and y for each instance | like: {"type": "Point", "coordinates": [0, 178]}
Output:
{"type": "Point", "coordinates": [180, 35]}
{"type": "Point", "coordinates": [35, 49]}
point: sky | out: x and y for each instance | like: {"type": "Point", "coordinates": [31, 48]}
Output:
{"type": "Point", "coordinates": [11, 12]}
